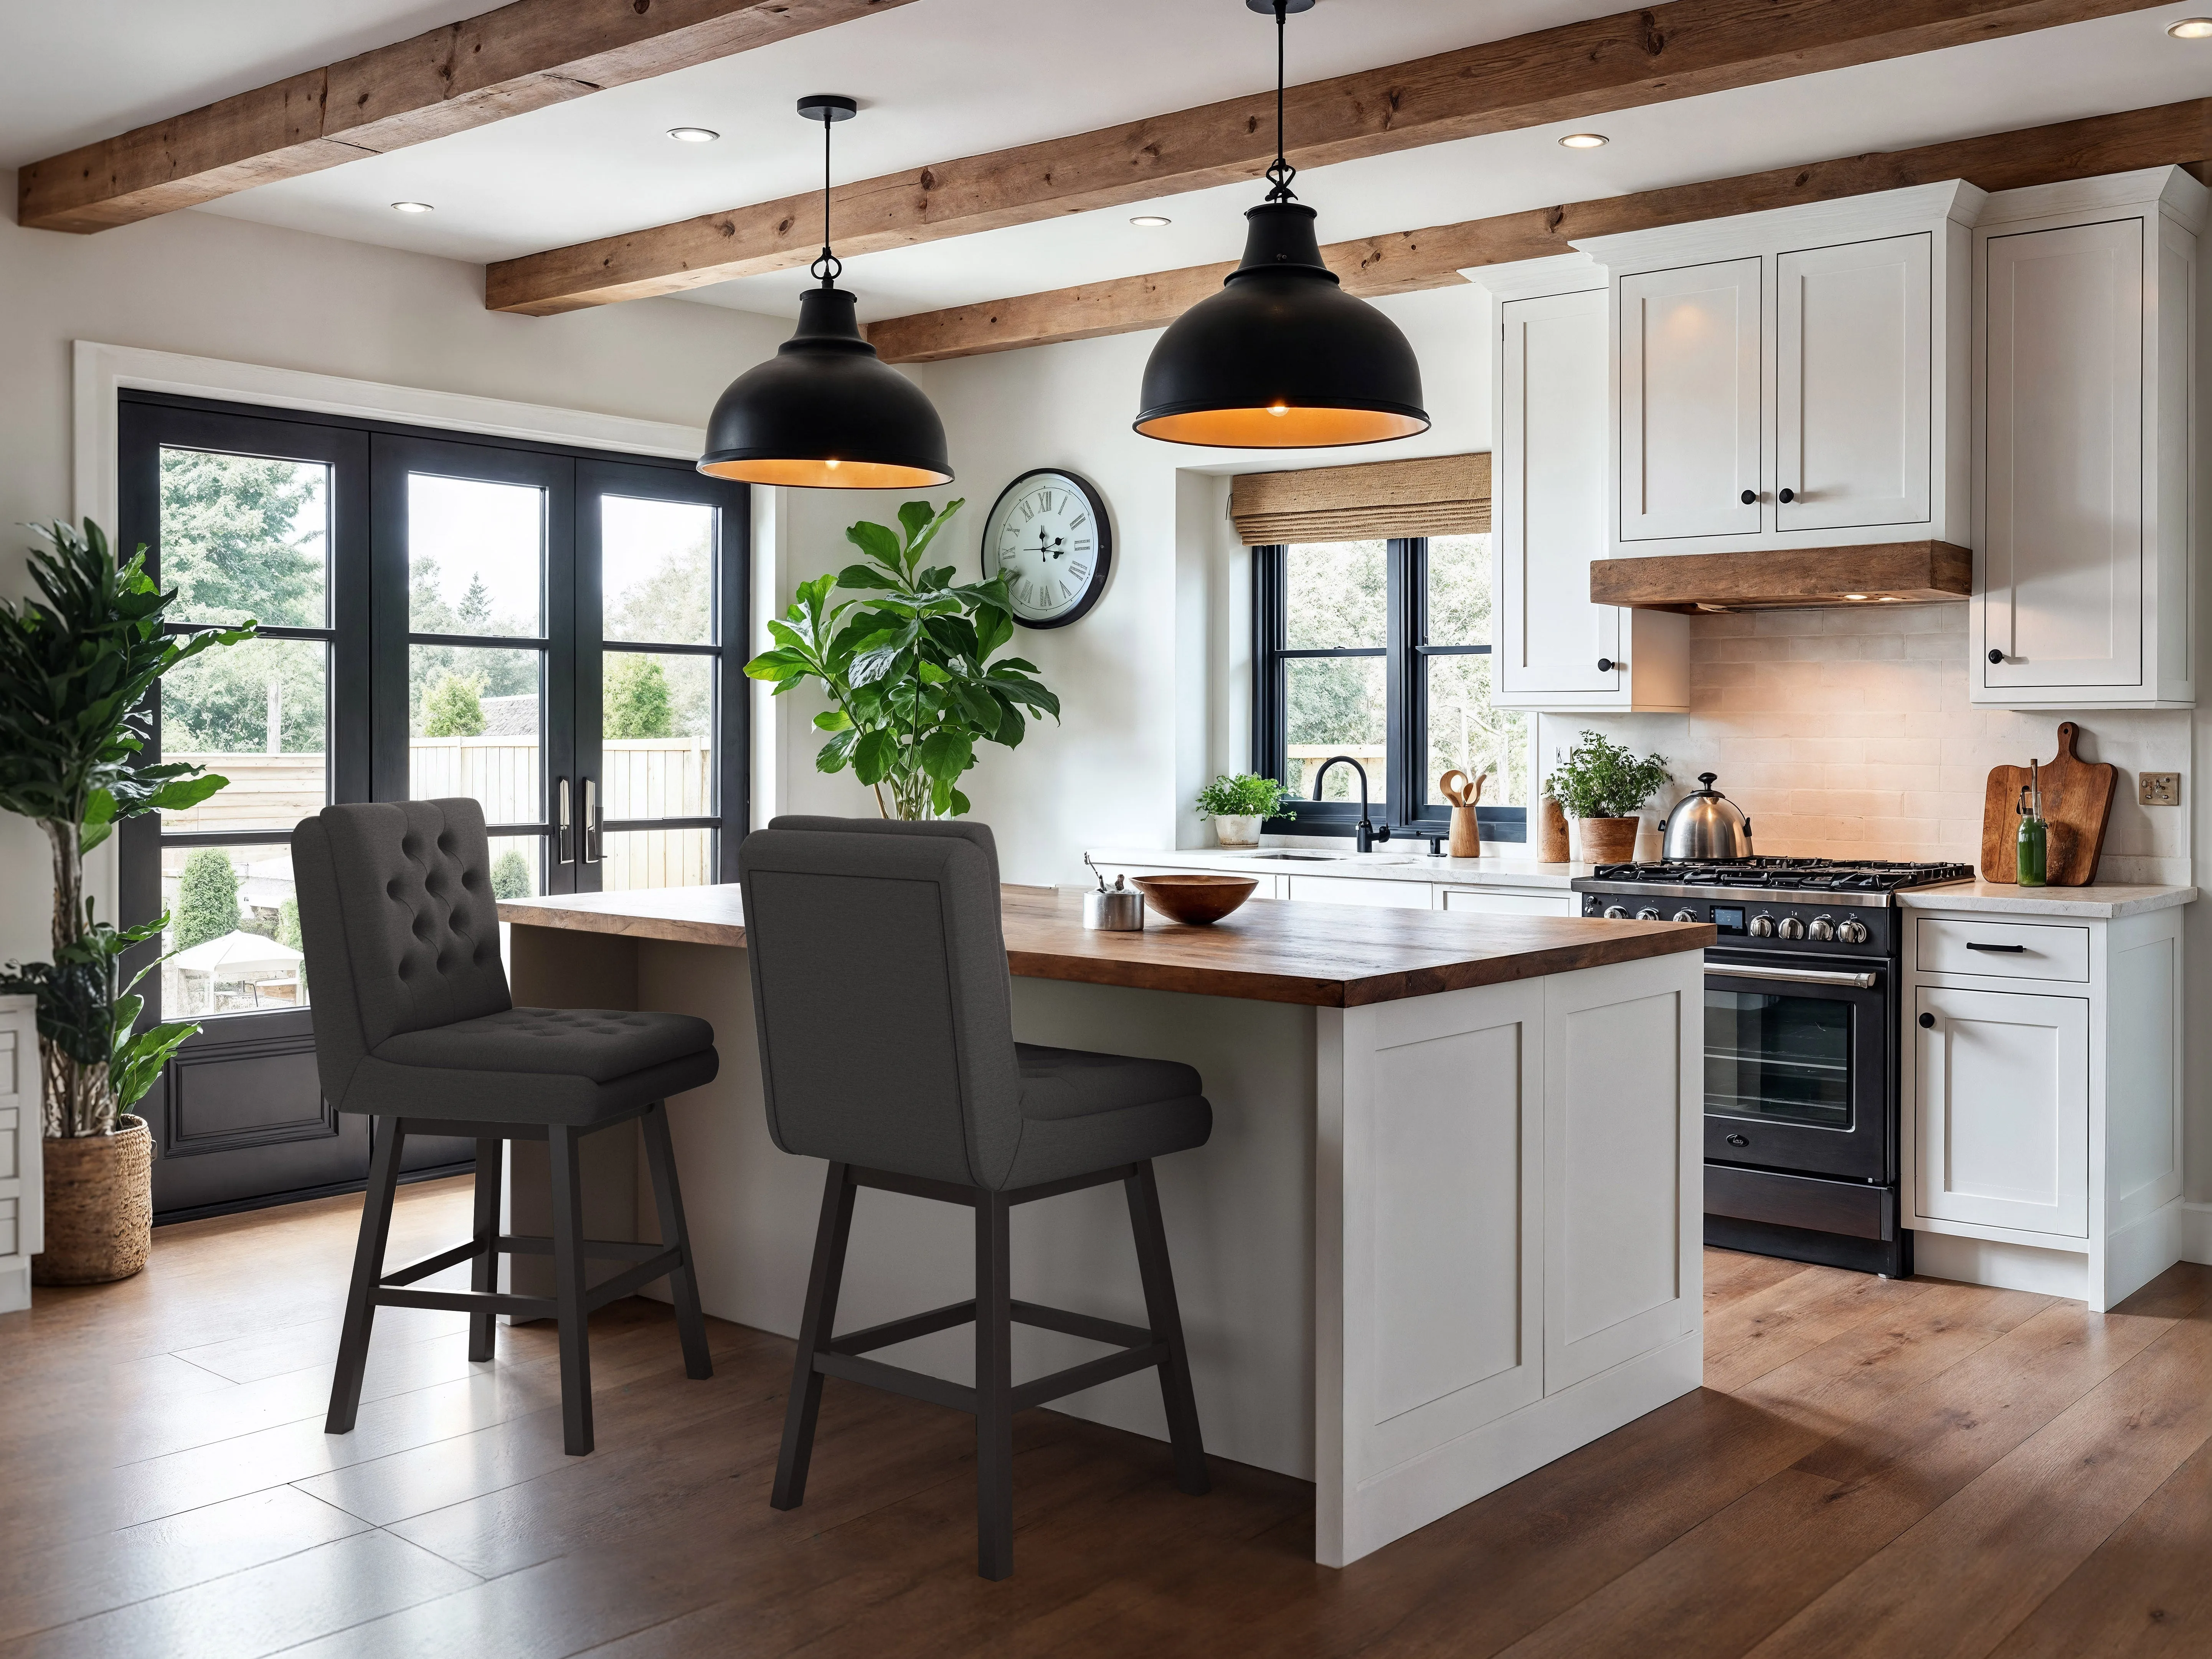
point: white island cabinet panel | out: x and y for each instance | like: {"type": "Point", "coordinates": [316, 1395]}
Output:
{"type": "Point", "coordinates": [1690, 422]}
{"type": "Point", "coordinates": [2003, 1109]}
{"type": "Point", "coordinates": [20, 1229]}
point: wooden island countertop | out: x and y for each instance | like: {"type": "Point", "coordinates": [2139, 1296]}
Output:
{"type": "Point", "coordinates": [1328, 956]}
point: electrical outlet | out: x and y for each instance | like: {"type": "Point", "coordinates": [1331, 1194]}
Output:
{"type": "Point", "coordinates": [2160, 789]}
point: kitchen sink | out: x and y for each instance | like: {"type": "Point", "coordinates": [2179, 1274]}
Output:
{"type": "Point", "coordinates": [1302, 858]}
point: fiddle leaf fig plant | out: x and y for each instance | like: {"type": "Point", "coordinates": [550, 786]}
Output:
{"type": "Point", "coordinates": [912, 669]}
{"type": "Point", "coordinates": [1601, 779]}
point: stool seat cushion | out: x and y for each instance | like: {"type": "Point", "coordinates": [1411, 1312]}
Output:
{"type": "Point", "coordinates": [598, 1044]}
{"type": "Point", "coordinates": [1084, 1112]}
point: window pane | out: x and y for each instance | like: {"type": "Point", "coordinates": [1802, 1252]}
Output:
{"type": "Point", "coordinates": [258, 713]}
{"type": "Point", "coordinates": [1336, 707]}
{"type": "Point", "coordinates": [475, 729]}
{"type": "Point", "coordinates": [244, 536]}
{"type": "Point", "coordinates": [1335, 594]}
{"type": "Point", "coordinates": [476, 556]}
{"type": "Point", "coordinates": [234, 928]}
{"type": "Point", "coordinates": [1459, 590]}
{"type": "Point", "coordinates": [631, 859]}
{"type": "Point", "coordinates": [1466, 733]}
{"type": "Point", "coordinates": [658, 751]}
{"type": "Point", "coordinates": [657, 570]}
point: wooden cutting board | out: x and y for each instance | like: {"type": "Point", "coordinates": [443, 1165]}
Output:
{"type": "Point", "coordinates": [2077, 803]}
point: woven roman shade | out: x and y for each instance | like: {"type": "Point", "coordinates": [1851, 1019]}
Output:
{"type": "Point", "coordinates": [1439, 496]}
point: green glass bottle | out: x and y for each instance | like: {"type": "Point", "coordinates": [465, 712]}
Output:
{"type": "Point", "coordinates": [2033, 858]}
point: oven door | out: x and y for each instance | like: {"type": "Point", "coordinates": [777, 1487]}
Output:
{"type": "Point", "coordinates": [1797, 1065]}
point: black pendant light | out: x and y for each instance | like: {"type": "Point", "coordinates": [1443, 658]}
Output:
{"type": "Point", "coordinates": [1282, 358]}
{"type": "Point", "coordinates": [825, 412]}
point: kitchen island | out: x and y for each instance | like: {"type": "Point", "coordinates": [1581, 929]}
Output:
{"type": "Point", "coordinates": [1446, 1231]}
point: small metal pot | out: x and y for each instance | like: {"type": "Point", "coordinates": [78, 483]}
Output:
{"type": "Point", "coordinates": [1707, 827]}
{"type": "Point", "coordinates": [1116, 909]}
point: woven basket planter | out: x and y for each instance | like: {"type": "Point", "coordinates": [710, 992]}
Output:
{"type": "Point", "coordinates": [100, 1206]}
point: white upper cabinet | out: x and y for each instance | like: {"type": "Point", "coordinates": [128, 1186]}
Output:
{"type": "Point", "coordinates": [2082, 341]}
{"type": "Point", "coordinates": [1788, 378]}
{"type": "Point", "coordinates": [1689, 402]}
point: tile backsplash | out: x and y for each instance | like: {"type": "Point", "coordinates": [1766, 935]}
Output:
{"type": "Point", "coordinates": [1846, 733]}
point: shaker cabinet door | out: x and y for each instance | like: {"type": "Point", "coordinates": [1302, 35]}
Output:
{"type": "Point", "coordinates": [1852, 385]}
{"type": "Point", "coordinates": [2062, 517]}
{"type": "Point", "coordinates": [1690, 414]}
{"type": "Point", "coordinates": [2001, 1106]}
{"type": "Point", "coordinates": [1549, 500]}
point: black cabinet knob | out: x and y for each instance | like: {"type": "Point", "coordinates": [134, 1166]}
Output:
{"type": "Point", "coordinates": [1749, 497]}
{"type": "Point", "coordinates": [1995, 655]}
{"type": "Point", "coordinates": [1738, 1140]}
{"type": "Point", "coordinates": [1927, 1022]}
{"type": "Point", "coordinates": [1786, 495]}
{"type": "Point", "coordinates": [1605, 665]}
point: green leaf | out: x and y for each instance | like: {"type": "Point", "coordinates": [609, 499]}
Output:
{"type": "Point", "coordinates": [915, 547]}
{"type": "Point", "coordinates": [931, 673]}
{"type": "Point", "coordinates": [862, 575]}
{"type": "Point", "coordinates": [878, 544]}
{"type": "Point", "coordinates": [915, 517]}
{"type": "Point", "coordinates": [776, 665]}
{"type": "Point", "coordinates": [994, 628]}
{"type": "Point", "coordinates": [983, 710]}
{"type": "Point", "coordinates": [833, 720]}
{"type": "Point", "coordinates": [1011, 727]}
{"type": "Point", "coordinates": [960, 805]}
{"type": "Point", "coordinates": [944, 754]}
{"type": "Point", "coordinates": [875, 754]}
{"type": "Point", "coordinates": [834, 755]}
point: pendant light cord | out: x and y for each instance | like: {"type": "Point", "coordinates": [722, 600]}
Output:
{"type": "Point", "coordinates": [1280, 171]}
{"type": "Point", "coordinates": [830, 267]}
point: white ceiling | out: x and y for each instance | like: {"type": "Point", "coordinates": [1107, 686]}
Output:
{"type": "Point", "coordinates": [943, 78]}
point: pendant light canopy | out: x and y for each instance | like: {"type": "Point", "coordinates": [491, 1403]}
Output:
{"type": "Point", "coordinates": [1282, 358]}
{"type": "Point", "coordinates": [825, 412]}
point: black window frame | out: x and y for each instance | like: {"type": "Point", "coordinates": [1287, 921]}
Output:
{"type": "Point", "coordinates": [1405, 651]}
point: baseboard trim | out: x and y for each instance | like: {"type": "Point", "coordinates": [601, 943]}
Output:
{"type": "Point", "coordinates": [15, 1287]}
{"type": "Point", "coordinates": [302, 1195]}
{"type": "Point", "coordinates": [2196, 1233]}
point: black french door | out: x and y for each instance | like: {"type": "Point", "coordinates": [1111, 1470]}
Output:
{"type": "Point", "coordinates": [438, 615]}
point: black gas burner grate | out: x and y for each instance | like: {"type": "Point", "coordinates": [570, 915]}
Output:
{"type": "Point", "coordinates": [1794, 875]}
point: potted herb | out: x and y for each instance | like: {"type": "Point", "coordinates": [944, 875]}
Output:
{"type": "Point", "coordinates": [74, 674]}
{"type": "Point", "coordinates": [1605, 786]}
{"type": "Point", "coordinates": [1238, 805]}
{"type": "Point", "coordinates": [908, 669]}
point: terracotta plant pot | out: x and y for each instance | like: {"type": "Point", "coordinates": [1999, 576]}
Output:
{"type": "Point", "coordinates": [100, 1206]}
{"type": "Point", "coordinates": [1238, 831]}
{"type": "Point", "coordinates": [1609, 840]}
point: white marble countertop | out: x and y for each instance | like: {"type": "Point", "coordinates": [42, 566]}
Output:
{"type": "Point", "coordinates": [1387, 864]}
{"type": "Point", "coordinates": [2100, 902]}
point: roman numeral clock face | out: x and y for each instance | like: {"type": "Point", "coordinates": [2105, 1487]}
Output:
{"type": "Point", "coordinates": [1048, 535]}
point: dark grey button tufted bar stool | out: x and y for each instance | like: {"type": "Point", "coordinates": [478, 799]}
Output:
{"type": "Point", "coordinates": [886, 1035]}
{"type": "Point", "coordinates": [414, 1025]}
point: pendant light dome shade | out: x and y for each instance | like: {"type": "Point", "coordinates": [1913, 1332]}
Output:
{"type": "Point", "coordinates": [826, 413]}
{"type": "Point", "coordinates": [1282, 358]}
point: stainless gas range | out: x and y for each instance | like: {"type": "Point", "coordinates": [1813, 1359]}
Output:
{"type": "Point", "coordinates": [1802, 1045]}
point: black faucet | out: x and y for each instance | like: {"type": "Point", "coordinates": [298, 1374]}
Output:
{"type": "Point", "coordinates": [1366, 834]}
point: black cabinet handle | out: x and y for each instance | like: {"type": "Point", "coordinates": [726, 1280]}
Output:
{"type": "Point", "coordinates": [1787, 495]}
{"type": "Point", "coordinates": [1605, 665]}
{"type": "Point", "coordinates": [1995, 655]}
{"type": "Point", "coordinates": [1738, 1140]}
{"type": "Point", "coordinates": [1999, 950]}
{"type": "Point", "coordinates": [1749, 497]}
{"type": "Point", "coordinates": [1927, 1022]}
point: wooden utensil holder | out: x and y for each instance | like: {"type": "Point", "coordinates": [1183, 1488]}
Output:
{"type": "Point", "coordinates": [1465, 833]}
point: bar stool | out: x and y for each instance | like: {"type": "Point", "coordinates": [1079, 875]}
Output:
{"type": "Point", "coordinates": [885, 1022]}
{"type": "Point", "coordinates": [414, 1026]}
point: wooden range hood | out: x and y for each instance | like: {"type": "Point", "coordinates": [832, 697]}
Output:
{"type": "Point", "coordinates": [1913, 572]}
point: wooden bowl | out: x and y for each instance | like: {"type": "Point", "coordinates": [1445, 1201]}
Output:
{"type": "Point", "coordinates": [1195, 900]}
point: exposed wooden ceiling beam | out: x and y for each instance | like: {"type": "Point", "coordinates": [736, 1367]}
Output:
{"type": "Point", "coordinates": [1679, 50]}
{"type": "Point", "coordinates": [520, 58]}
{"type": "Point", "coordinates": [1416, 260]}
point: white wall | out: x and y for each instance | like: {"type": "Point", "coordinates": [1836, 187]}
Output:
{"type": "Point", "coordinates": [214, 287]}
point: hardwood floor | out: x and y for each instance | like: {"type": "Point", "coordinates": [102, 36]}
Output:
{"type": "Point", "coordinates": [1883, 1468]}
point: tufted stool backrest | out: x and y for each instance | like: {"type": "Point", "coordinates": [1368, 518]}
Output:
{"type": "Point", "coordinates": [399, 923]}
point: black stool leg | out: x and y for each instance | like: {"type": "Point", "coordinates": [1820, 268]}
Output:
{"type": "Point", "coordinates": [815, 1326]}
{"type": "Point", "coordinates": [483, 1273]}
{"type": "Point", "coordinates": [367, 1268]}
{"type": "Point", "coordinates": [569, 1288]}
{"type": "Point", "coordinates": [1162, 1314]}
{"type": "Point", "coordinates": [683, 1281]}
{"type": "Point", "coordinates": [995, 1388]}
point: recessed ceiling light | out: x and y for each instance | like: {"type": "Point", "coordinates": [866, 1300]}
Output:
{"type": "Point", "coordinates": [1887, 599]}
{"type": "Point", "coordinates": [2191, 28]}
{"type": "Point", "coordinates": [693, 135]}
{"type": "Point", "coordinates": [1854, 595]}
{"type": "Point", "coordinates": [1151, 221]}
{"type": "Point", "coordinates": [1585, 141]}
{"type": "Point", "coordinates": [411, 207]}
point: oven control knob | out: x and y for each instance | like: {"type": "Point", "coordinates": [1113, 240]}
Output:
{"type": "Point", "coordinates": [1762, 926]}
{"type": "Point", "coordinates": [1853, 932]}
{"type": "Point", "coordinates": [1791, 929]}
{"type": "Point", "coordinates": [1821, 930]}
{"type": "Point", "coordinates": [1616, 913]}
{"type": "Point", "coordinates": [1685, 916]}
{"type": "Point", "coordinates": [1649, 913]}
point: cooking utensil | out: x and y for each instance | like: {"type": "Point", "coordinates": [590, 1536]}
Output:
{"type": "Point", "coordinates": [1465, 832]}
{"type": "Point", "coordinates": [2077, 806]}
{"type": "Point", "coordinates": [1707, 827]}
{"type": "Point", "coordinates": [1115, 909]}
{"type": "Point", "coordinates": [1195, 901]}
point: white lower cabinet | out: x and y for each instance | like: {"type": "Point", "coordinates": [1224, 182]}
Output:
{"type": "Point", "coordinates": [1508, 901]}
{"type": "Point", "coordinates": [21, 1231]}
{"type": "Point", "coordinates": [1360, 889]}
{"type": "Point", "coordinates": [2042, 1095]}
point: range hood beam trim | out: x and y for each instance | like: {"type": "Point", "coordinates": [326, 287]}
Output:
{"type": "Point", "coordinates": [1911, 572]}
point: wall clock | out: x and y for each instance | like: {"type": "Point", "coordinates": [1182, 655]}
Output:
{"type": "Point", "coordinates": [1047, 534]}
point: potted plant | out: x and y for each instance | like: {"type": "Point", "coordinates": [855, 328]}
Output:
{"type": "Point", "coordinates": [1238, 805]}
{"type": "Point", "coordinates": [74, 674]}
{"type": "Point", "coordinates": [908, 669]}
{"type": "Point", "coordinates": [1605, 786]}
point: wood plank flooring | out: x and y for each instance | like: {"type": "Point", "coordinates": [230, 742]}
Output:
{"type": "Point", "coordinates": [1876, 1468]}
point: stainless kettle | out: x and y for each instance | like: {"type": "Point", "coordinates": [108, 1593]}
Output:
{"type": "Point", "coordinates": [1706, 826]}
